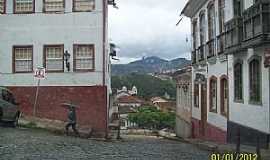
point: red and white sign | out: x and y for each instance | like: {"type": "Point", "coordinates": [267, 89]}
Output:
{"type": "Point", "coordinates": [40, 73]}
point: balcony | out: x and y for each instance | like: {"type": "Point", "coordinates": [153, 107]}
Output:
{"type": "Point", "coordinates": [201, 52]}
{"type": "Point", "coordinates": [233, 34]}
{"type": "Point", "coordinates": [210, 46]}
{"type": "Point", "coordinates": [256, 24]}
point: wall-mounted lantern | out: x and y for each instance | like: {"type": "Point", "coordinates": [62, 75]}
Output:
{"type": "Point", "coordinates": [113, 51]}
{"type": "Point", "coordinates": [112, 2]}
{"type": "Point", "coordinates": [66, 59]}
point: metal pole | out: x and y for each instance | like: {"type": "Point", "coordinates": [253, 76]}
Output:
{"type": "Point", "coordinates": [35, 104]}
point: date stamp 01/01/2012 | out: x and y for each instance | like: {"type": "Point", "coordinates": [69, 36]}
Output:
{"type": "Point", "coordinates": [233, 156]}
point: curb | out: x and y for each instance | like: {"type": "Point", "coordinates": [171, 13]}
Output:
{"type": "Point", "coordinates": [265, 154]}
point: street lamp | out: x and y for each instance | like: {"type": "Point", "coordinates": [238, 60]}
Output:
{"type": "Point", "coordinates": [66, 59]}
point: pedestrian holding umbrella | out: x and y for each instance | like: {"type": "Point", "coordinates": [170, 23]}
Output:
{"type": "Point", "coordinates": [72, 120]}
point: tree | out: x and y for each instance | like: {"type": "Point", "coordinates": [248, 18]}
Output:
{"type": "Point", "coordinates": [150, 118]}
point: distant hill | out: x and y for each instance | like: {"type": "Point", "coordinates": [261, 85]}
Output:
{"type": "Point", "coordinates": [147, 85]}
{"type": "Point", "coordinates": [149, 65]}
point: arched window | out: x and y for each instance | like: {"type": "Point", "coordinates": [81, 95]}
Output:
{"type": "Point", "coordinates": [237, 7]}
{"type": "Point", "coordinates": [211, 21]}
{"type": "Point", "coordinates": [238, 81]}
{"type": "Point", "coordinates": [221, 15]}
{"type": "Point", "coordinates": [202, 28]}
{"type": "Point", "coordinates": [255, 79]}
{"type": "Point", "coordinates": [213, 94]}
{"type": "Point", "coordinates": [224, 95]}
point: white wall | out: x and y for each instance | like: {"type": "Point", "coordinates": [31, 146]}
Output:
{"type": "Point", "coordinates": [253, 116]}
{"type": "Point", "coordinates": [39, 29]}
{"type": "Point", "coordinates": [219, 69]}
{"type": "Point", "coordinates": [228, 10]}
{"type": "Point", "coordinates": [248, 3]}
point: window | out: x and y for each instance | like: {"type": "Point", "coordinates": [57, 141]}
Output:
{"type": "Point", "coordinates": [211, 21]}
{"type": "Point", "coordinates": [238, 81]}
{"type": "Point", "coordinates": [22, 59]}
{"type": "Point", "coordinates": [202, 29]}
{"type": "Point", "coordinates": [83, 5]}
{"type": "Point", "coordinates": [221, 15]}
{"type": "Point", "coordinates": [255, 80]}
{"type": "Point", "coordinates": [196, 95]}
{"type": "Point", "coordinates": [84, 58]}
{"type": "Point", "coordinates": [2, 6]}
{"type": "Point", "coordinates": [54, 5]}
{"type": "Point", "coordinates": [53, 58]}
{"type": "Point", "coordinates": [237, 7]}
{"type": "Point", "coordinates": [213, 94]}
{"type": "Point", "coordinates": [24, 6]}
{"type": "Point", "coordinates": [224, 95]}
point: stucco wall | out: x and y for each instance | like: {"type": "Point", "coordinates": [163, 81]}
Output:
{"type": "Point", "coordinates": [91, 102]}
{"type": "Point", "coordinates": [247, 114]}
{"type": "Point", "coordinates": [39, 29]}
{"type": "Point", "coordinates": [228, 10]}
{"type": "Point", "coordinates": [183, 109]}
{"type": "Point", "coordinates": [219, 69]}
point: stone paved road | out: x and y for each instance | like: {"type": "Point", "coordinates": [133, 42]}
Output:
{"type": "Point", "coordinates": [28, 144]}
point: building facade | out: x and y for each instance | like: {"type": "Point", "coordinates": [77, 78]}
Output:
{"type": "Point", "coordinates": [230, 40]}
{"type": "Point", "coordinates": [183, 125]}
{"type": "Point", "coordinates": [247, 42]}
{"type": "Point", "coordinates": [67, 38]}
{"type": "Point", "coordinates": [209, 70]}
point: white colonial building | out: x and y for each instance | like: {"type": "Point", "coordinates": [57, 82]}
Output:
{"type": "Point", "coordinates": [230, 82]}
{"type": "Point", "coordinates": [247, 27]}
{"type": "Point", "coordinates": [209, 69]}
{"type": "Point", "coordinates": [68, 38]}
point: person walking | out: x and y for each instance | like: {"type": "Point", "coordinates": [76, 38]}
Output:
{"type": "Point", "coordinates": [72, 121]}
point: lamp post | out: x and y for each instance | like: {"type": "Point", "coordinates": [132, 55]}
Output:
{"type": "Point", "coordinates": [66, 59]}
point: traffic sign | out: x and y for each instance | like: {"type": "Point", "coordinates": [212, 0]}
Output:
{"type": "Point", "coordinates": [40, 73]}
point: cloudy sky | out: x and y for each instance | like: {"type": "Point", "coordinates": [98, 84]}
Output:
{"type": "Point", "coordinates": [148, 28]}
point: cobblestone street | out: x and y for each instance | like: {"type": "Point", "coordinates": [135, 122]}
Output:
{"type": "Point", "coordinates": [28, 144]}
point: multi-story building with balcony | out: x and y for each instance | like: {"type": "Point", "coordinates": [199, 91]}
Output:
{"type": "Point", "coordinates": [209, 69]}
{"type": "Point", "coordinates": [230, 82]}
{"type": "Point", "coordinates": [69, 39]}
{"type": "Point", "coordinates": [247, 29]}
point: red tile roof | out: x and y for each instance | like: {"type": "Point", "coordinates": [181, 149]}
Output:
{"type": "Point", "coordinates": [129, 99]}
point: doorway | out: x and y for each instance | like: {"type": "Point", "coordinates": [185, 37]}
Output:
{"type": "Point", "coordinates": [203, 108]}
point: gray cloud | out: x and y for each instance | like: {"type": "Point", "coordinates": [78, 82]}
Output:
{"type": "Point", "coordinates": [147, 28]}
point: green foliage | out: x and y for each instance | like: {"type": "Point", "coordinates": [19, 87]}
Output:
{"type": "Point", "coordinates": [147, 85]}
{"type": "Point", "coordinates": [151, 118]}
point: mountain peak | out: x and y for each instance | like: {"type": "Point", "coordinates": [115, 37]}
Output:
{"type": "Point", "coordinates": [152, 64]}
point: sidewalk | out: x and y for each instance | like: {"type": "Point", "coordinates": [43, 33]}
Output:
{"type": "Point", "coordinates": [221, 148]}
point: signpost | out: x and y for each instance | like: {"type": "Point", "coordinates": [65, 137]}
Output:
{"type": "Point", "coordinates": [38, 74]}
